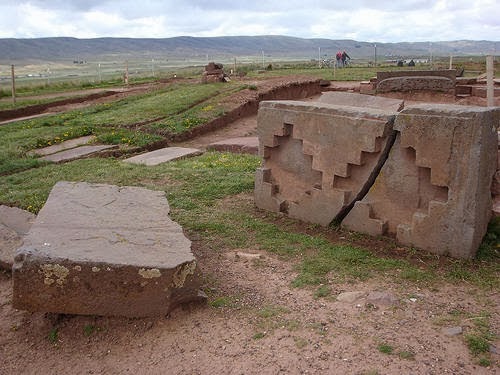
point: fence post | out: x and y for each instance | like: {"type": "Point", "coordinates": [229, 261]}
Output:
{"type": "Point", "coordinates": [13, 84]}
{"type": "Point", "coordinates": [490, 93]}
{"type": "Point", "coordinates": [126, 72]}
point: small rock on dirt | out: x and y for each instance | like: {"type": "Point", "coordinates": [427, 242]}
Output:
{"type": "Point", "coordinates": [350, 297]}
{"type": "Point", "coordinates": [452, 331]}
{"type": "Point", "coordinates": [249, 256]}
{"type": "Point", "coordinates": [382, 298]}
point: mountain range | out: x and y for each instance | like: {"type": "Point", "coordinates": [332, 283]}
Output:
{"type": "Point", "coordinates": [186, 47]}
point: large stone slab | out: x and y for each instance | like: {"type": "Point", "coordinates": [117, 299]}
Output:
{"type": "Point", "coordinates": [10, 241]}
{"type": "Point", "coordinates": [423, 175]}
{"type": "Point", "coordinates": [411, 80]}
{"type": "Point", "coordinates": [18, 220]}
{"type": "Point", "coordinates": [316, 157]}
{"type": "Point", "coordinates": [14, 225]}
{"type": "Point", "coordinates": [104, 250]}
{"type": "Point", "coordinates": [360, 100]}
{"type": "Point", "coordinates": [239, 145]}
{"type": "Point", "coordinates": [66, 145]}
{"type": "Point", "coordinates": [77, 153]}
{"type": "Point", "coordinates": [434, 190]}
{"type": "Point", "coordinates": [163, 155]}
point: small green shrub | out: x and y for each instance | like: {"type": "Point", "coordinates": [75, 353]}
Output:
{"type": "Point", "coordinates": [322, 291]}
{"type": "Point", "coordinates": [477, 344]}
{"type": "Point", "coordinates": [385, 348]}
{"type": "Point", "coordinates": [258, 335]}
{"type": "Point", "coordinates": [221, 302]}
{"type": "Point", "coordinates": [53, 335]}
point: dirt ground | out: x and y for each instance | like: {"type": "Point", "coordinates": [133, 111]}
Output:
{"type": "Point", "coordinates": [263, 325]}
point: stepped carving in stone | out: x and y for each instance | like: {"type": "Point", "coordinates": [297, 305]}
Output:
{"type": "Point", "coordinates": [422, 175]}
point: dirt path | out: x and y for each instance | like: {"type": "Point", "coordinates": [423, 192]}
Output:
{"type": "Point", "coordinates": [244, 127]}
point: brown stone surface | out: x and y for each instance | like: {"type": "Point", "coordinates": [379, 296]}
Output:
{"type": "Point", "coordinates": [240, 145]}
{"type": "Point", "coordinates": [10, 241]}
{"type": "Point", "coordinates": [447, 73]}
{"type": "Point", "coordinates": [360, 100]}
{"type": "Point", "coordinates": [18, 220]}
{"type": "Point", "coordinates": [14, 225]}
{"type": "Point", "coordinates": [416, 83]}
{"type": "Point", "coordinates": [434, 190]}
{"type": "Point", "coordinates": [425, 179]}
{"type": "Point", "coordinates": [77, 153]}
{"type": "Point", "coordinates": [301, 175]}
{"type": "Point", "coordinates": [495, 186]}
{"type": "Point", "coordinates": [414, 80]}
{"type": "Point", "coordinates": [104, 250]}
{"type": "Point", "coordinates": [480, 91]}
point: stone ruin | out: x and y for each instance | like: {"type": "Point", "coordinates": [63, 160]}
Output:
{"type": "Point", "coordinates": [445, 81]}
{"type": "Point", "coordinates": [214, 72]}
{"type": "Point", "coordinates": [98, 249]}
{"type": "Point", "coordinates": [421, 174]}
{"type": "Point", "coordinates": [435, 80]}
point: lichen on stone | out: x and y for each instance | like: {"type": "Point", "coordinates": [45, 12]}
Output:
{"type": "Point", "coordinates": [54, 273]}
{"type": "Point", "coordinates": [181, 273]}
{"type": "Point", "coordinates": [149, 273]}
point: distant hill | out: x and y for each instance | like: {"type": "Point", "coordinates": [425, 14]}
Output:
{"type": "Point", "coordinates": [185, 47]}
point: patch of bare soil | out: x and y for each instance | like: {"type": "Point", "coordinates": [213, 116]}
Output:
{"type": "Point", "coordinates": [266, 327]}
{"type": "Point", "coordinates": [261, 325]}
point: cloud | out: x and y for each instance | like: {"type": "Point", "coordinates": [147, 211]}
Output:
{"type": "Point", "coordinates": [367, 20]}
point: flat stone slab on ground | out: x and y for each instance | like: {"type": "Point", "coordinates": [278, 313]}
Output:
{"type": "Point", "coordinates": [14, 224]}
{"type": "Point", "coordinates": [10, 241]}
{"type": "Point", "coordinates": [66, 145]}
{"type": "Point", "coordinates": [99, 249]}
{"type": "Point", "coordinates": [163, 155]}
{"type": "Point", "coordinates": [16, 219]}
{"type": "Point", "coordinates": [240, 145]}
{"type": "Point", "coordinates": [77, 153]}
{"type": "Point", "coordinates": [361, 100]}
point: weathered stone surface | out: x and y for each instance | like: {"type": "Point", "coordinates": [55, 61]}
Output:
{"type": "Point", "coordinates": [77, 153]}
{"type": "Point", "coordinates": [301, 175]}
{"type": "Point", "coordinates": [163, 155]}
{"type": "Point", "coordinates": [14, 225]}
{"type": "Point", "coordinates": [350, 297]}
{"type": "Point", "coordinates": [71, 143]}
{"type": "Point", "coordinates": [481, 91]}
{"type": "Point", "coordinates": [416, 83]}
{"type": "Point", "coordinates": [104, 250]}
{"type": "Point", "coordinates": [382, 298]}
{"type": "Point", "coordinates": [10, 241]}
{"type": "Point", "coordinates": [16, 219]}
{"type": "Point", "coordinates": [434, 190]}
{"type": "Point", "coordinates": [360, 100]}
{"type": "Point", "coordinates": [452, 331]}
{"type": "Point", "coordinates": [240, 145]}
{"type": "Point", "coordinates": [447, 73]}
{"type": "Point", "coordinates": [425, 178]}
{"type": "Point", "coordinates": [496, 206]}
{"type": "Point", "coordinates": [439, 80]}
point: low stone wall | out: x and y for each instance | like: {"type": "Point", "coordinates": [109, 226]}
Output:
{"type": "Point", "coordinates": [434, 80]}
{"type": "Point", "coordinates": [422, 175]}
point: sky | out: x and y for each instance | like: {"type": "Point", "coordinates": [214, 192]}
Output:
{"type": "Point", "coordinates": [361, 20]}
